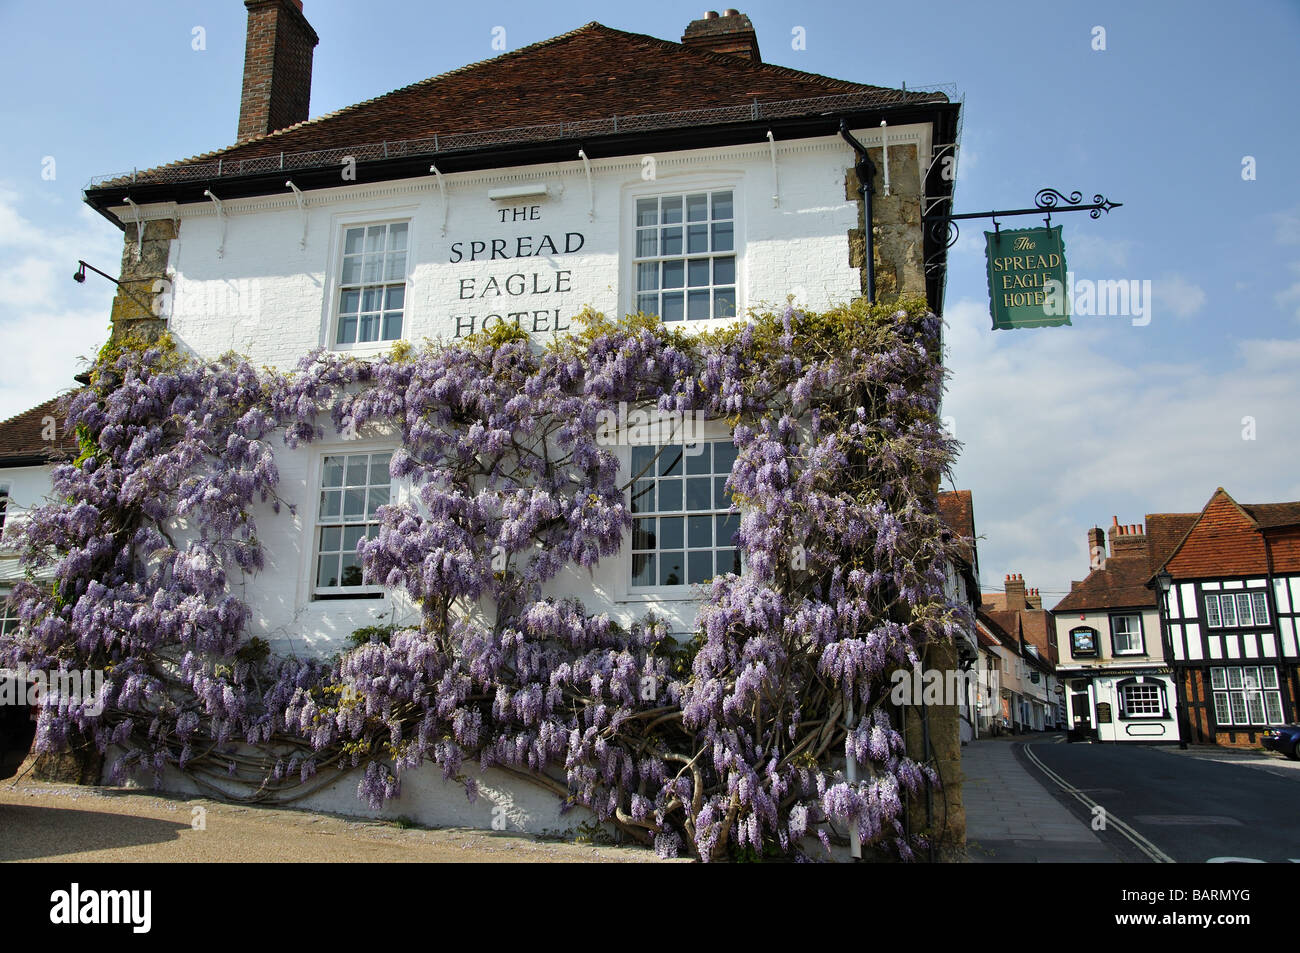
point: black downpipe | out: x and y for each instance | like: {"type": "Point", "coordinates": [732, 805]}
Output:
{"type": "Point", "coordinates": [866, 170]}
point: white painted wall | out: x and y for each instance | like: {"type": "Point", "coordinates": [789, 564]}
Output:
{"type": "Point", "coordinates": [28, 487]}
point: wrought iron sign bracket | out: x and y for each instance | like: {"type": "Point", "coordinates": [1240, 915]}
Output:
{"type": "Point", "coordinates": [1046, 200]}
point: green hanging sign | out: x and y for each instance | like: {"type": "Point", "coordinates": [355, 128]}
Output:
{"type": "Point", "coordinates": [1021, 263]}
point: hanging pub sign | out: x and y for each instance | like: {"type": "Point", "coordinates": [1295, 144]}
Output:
{"type": "Point", "coordinates": [1021, 262]}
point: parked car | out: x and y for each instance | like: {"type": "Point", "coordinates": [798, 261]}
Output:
{"type": "Point", "coordinates": [1285, 739]}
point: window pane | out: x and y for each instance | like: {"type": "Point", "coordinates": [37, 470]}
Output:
{"type": "Point", "coordinates": [670, 532]}
{"type": "Point", "coordinates": [354, 505]}
{"type": "Point", "coordinates": [1234, 678]}
{"type": "Point", "coordinates": [327, 571]}
{"type": "Point", "coordinates": [643, 496]}
{"type": "Point", "coordinates": [647, 242]}
{"type": "Point", "coordinates": [643, 534]}
{"type": "Point", "coordinates": [724, 271]}
{"type": "Point", "coordinates": [723, 236]}
{"type": "Point", "coordinates": [394, 298]}
{"type": "Point", "coordinates": [352, 240]}
{"type": "Point", "coordinates": [641, 457]}
{"type": "Point", "coordinates": [670, 461]}
{"type": "Point", "coordinates": [379, 467]}
{"type": "Point", "coordinates": [672, 571]}
{"type": "Point", "coordinates": [727, 527]}
{"type": "Point", "coordinates": [647, 304]}
{"type": "Point", "coordinates": [1273, 706]}
{"type": "Point", "coordinates": [1212, 612]}
{"type": "Point", "coordinates": [672, 305]}
{"type": "Point", "coordinates": [643, 569]}
{"type": "Point", "coordinates": [698, 272]}
{"type": "Point", "coordinates": [701, 567]}
{"type": "Point", "coordinates": [1227, 611]}
{"type": "Point", "coordinates": [722, 205]}
{"type": "Point", "coordinates": [397, 236]}
{"type": "Point", "coordinates": [721, 498]}
{"type": "Point", "coordinates": [724, 303]}
{"type": "Point", "coordinates": [395, 269]}
{"type": "Point", "coordinates": [697, 239]}
{"type": "Point", "coordinates": [697, 493]}
{"type": "Point", "coordinates": [1217, 678]}
{"type": "Point", "coordinates": [724, 456]}
{"type": "Point", "coordinates": [674, 272]}
{"type": "Point", "coordinates": [670, 496]}
{"type": "Point", "coordinates": [351, 536]}
{"type": "Point", "coordinates": [378, 498]}
{"type": "Point", "coordinates": [392, 325]}
{"type": "Point", "coordinates": [647, 211]}
{"type": "Point", "coordinates": [672, 210]}
{"type": "Point", "coordinates": [1268, 677]}
{"type": "Point", "coordinates": [351, 271]}
{"type": "Point", "coordinates": [647, 276]}
{"type": "Point", "coordinates": [368, 330]}
{"type": "Point", "coordinates": [1255, 707]}
{"type": "Point", "coordinates": [351, 575]}
{"type": "Point", "coordinates": [329, 539]}
{"type": "Point", "coordinates": [699, 532]}
{"type": "Point", "coordinates": [1243, 609]}
{"type": "Point", "coordinates": [697, 207]}
{"type": "Point", "coordinates": [1222, 715]}
{"type": "Point", "coordinates": [372, 268]}
{"type": "Point", "coordinates": [698, 458]}
{"type": "Point", "coordinates": [375, 238]}
{"type": "Point", "coordinates": [329, 504]}
{"type": "Point", "coordinates": [333, 472]}
{"type": "Point", "coordinates": [1259, 603]}
{"type": "Point", "coordinates": [699, 306]}
{"type": "Point", "coordinates": [670, 241]}
{"type": "Point", "coordinates": [357, 471]}
{"type": "Point", "coordinates": [347, 330]}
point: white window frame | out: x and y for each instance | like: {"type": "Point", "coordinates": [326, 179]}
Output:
{"type": "Point", "coordinates": [338, 594]}
{"type": "Point", "coordinates": [339, 224]}
{"type": "Point", "coordinates": [1153, 691]}
{"type": "Point", "coordinates": [9, 620]}
{"type": "Point", "coordinates": [1253, 598]}
{"type": "Point", "coordinates": [1230, 686]}
{"type": "Point", "coordinates": [684, 185]}
{"type": "Point", "coordinates": [6, 505]}
{"type": "Point", "coordinates": [622, 589]}
{"type": "Point", "coordinates": [1137, 634]}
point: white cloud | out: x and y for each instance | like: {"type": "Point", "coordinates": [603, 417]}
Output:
{"type": "Point", "coordinates": [1288, 226]}
{"type": "Point", "coordinates": [1059, 434]}
{"type": "Point", "coordinates": [50, 320]}
{"type": "Point", "coordinates": [1288, 299]}
{"type": "Point", "coordinates": [1175, 293]}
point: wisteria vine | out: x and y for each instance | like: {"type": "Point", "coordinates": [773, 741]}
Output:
{"type": "Point", "coordinates": [732, 744]}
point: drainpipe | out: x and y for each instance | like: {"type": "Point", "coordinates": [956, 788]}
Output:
{"type": "Point", "coordinates": [866, 170]}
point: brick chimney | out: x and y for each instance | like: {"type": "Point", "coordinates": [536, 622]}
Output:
{"type": "Point", "coordinates": [277, 67]}
{"type": "Point", "coordinates": [1096, 548]}
{"type": "Point", "coordinates": [730, 33]}
{"type": "Point", "coordinates": [1032, 599]}
{"type": "Point", "coordinates": [1015, 589]}
{"type": "Point", "coordinates": [1130, 540]}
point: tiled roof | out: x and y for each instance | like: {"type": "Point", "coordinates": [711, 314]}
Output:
{"type": "Point", "coordinates": [958, 514]}
{"type": "Point", "coordinates": [1224, 541]}
{"type": "Point", "coordinates": [1273, 515]}
{"type": "Point", "coordinates": [591, 73]}
{"type": "Point", "coordinates": [1164, 532]}
{"type": "Point", "coordinates": [1121, 584]}
{"type": "Point", "coordinates": [22, 438]}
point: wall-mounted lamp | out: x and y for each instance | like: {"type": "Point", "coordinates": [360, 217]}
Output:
{"type": "Point", "coordinates": [534, 190]}
{"type": "Point", "coordinates": [80, 277]}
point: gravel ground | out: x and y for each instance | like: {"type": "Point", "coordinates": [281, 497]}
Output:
{"type": "Point", "coordinates": [43, 822]}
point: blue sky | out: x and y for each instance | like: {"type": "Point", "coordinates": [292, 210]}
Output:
{"type": "Point", "coordinates": [1063, 426]}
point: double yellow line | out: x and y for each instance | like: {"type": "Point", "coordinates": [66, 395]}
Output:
{"type": "Point", "coordinates": [1141, 843]}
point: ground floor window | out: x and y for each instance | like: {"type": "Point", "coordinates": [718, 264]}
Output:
{"type": "Point", "coordinates": [1246, 695]}
{"type": "Point", "coordinates": [1145, 699]}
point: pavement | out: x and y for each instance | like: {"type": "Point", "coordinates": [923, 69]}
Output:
{"type": "Point", "coordinates": [44, 822]}
{"type": "Point", "coordinates": [1012, 818]}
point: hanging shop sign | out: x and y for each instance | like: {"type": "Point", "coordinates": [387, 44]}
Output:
{"type": "Point", "coordinates": [1021, 263]}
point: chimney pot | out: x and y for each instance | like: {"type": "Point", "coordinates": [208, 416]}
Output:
{"type": "Point", "coordinates": [711, 15]}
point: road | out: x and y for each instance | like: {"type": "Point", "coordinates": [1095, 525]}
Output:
{"type": "Point", "coordinates": [1165, 806]}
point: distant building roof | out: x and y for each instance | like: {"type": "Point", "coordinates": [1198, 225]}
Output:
{"type": "Point", "coordinates": [23, 439]}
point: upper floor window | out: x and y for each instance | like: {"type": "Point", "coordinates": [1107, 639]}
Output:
{"type": "Point", "coordinates": [372, 284]}
{"type": "Point", "coordinates": [1083, 642]}
{"type": "Point", "coordinates": [685, 255]}
{"type": "Point", "coordinates": [1126, 634]}
{"type": "Point", "coordinates": [1232, 610]}
{"type": "Point", "coordinates": [8, 615]}
{"type": "Point", "coordinates": [682, 525]}
{"type": "Point", "coordinates": [353, 487]}
{"type": "Point", "coordinates": [1246, 695]}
